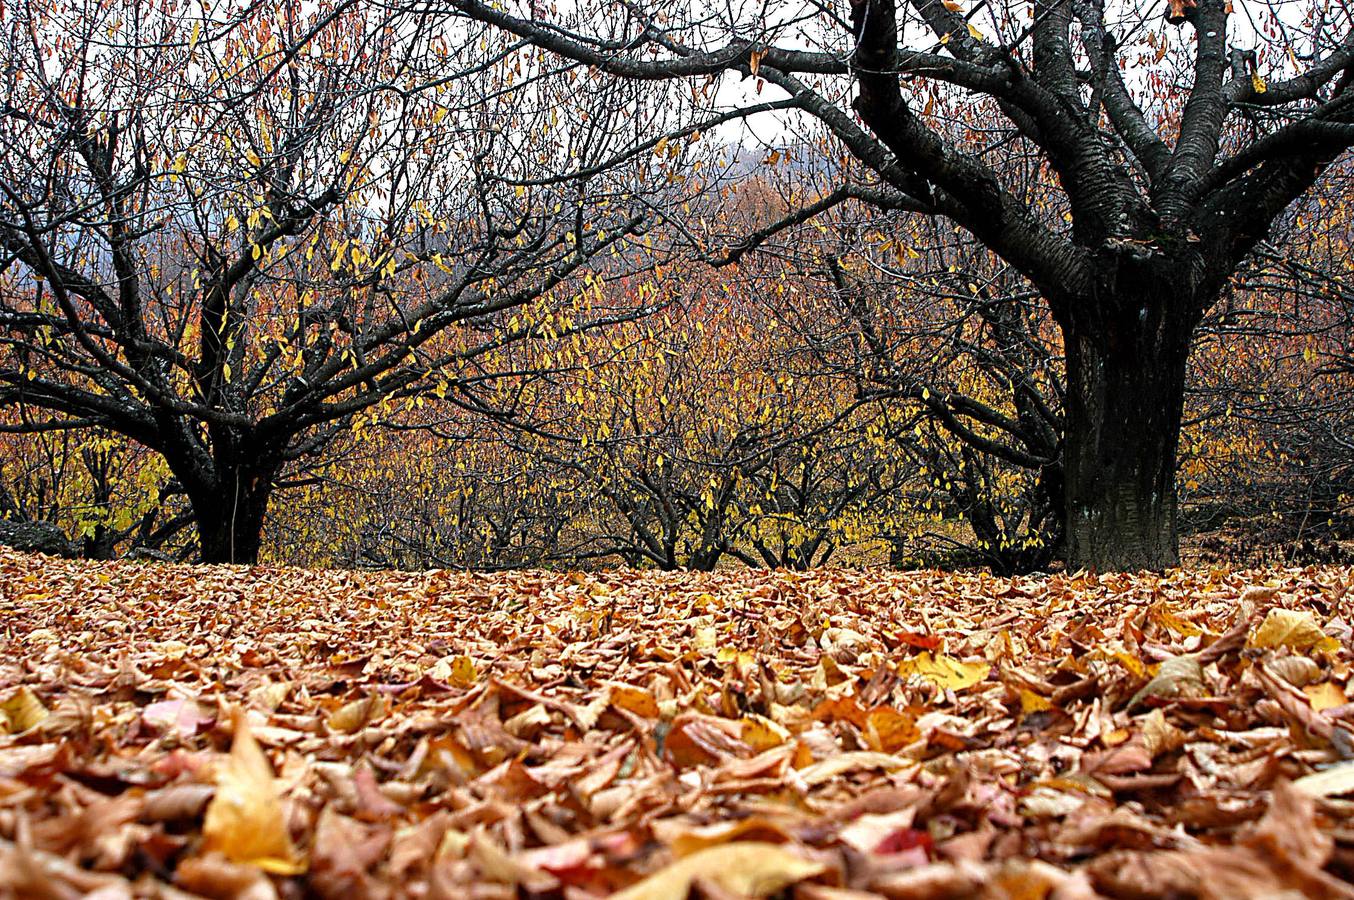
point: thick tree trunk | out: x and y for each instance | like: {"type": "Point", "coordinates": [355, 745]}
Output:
{"type": "Point", "coordinates": [1125, 399]}
{"type": "Point", "coordinates": [230, 519]}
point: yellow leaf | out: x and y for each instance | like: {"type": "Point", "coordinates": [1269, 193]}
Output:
{"type": "Point", "coordinates": [888, 730]}
{"type": "Point", "coordinates": [761, 733]}
{"type": "Point", "coordinates": [1115, 738]}
{"type": "Point", "coordinates": [743, 868]}
{"type": "Point", "coordinates": [245, 820]}
{"type": "Point", "coordinates": [952, 6]}
{"type": "Point", "coordinates": [459, 671]}
{"type": "Point", "coordinates": [1030, 702]}
{"type": "Point", "coordinates": [22, 711]}
{"type": "Point", "coordinates": [945, 671]}
{"type": "Point", "coordinates": [353, 716]}
{"type": "Point", "coordinates": [1326, 695]}
{"type": "Point", "coordinates": [1175, 623]}
{"type": "Point", "coordinates": [463, 671]}
{"type": "Point", "coordinates": [1132, 663]}
{"type": "Point", "coordinates": [1258, 83]}
{"type": "Point", "coordinates": [730, 656]}
{"type": "Point", "coordinates": [755, 60]}
{"type": "Point", "coordinates": [635, 700]}
{"type": "Point", "coordinates": [1294, 629]}
{"type": "Point", "coordinates": [973, 30]}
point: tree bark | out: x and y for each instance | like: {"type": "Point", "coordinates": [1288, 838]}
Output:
{"type": "Point", "coordinates": [1125, 399]}
{"type": "Point", "coordinates": [230, 518]}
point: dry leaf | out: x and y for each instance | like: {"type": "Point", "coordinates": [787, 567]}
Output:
{"type": "Point", "coordinates": [358, 714]}
{"type": "Point", "coordinates": [1326, 695]}
{"type": "Point", "coordinates": [1294, 629]}
{"type": "Point", "coordinates": [22, 711]}
{"type": "Point", "coordinates": [1332, 782]}
{"type": "Point", "coordinates": [1179, 676]}
{"type": "Point", "coordinates": [455, 670]}
{"type": "Point", "coordinates": [244, 820]}
{"type": "Point", "coordinates": [945, 671]}
{"type": "Point", "coordinates": [744, 869]}
{"type": "Point", "coordinates": [888, 730]}
{"type": "Point", "coordinates": [761, 733]}
{"type": "Point", "coordinates": [636, 700]}
{"type": "Point", "coordinates": [1296, 670]}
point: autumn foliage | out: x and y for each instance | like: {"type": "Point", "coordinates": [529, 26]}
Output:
{"type": "Point", "coordinates": [269, 732]}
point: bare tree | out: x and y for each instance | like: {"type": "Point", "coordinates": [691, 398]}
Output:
{"type": "Point", "coordinates": [233, 238]}
{"type": "Point", "coordinates": [1169, 153]}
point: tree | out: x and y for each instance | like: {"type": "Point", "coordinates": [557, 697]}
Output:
{"type": "Point", "coordinates": [102, 489]}
{"type": "Point", "coordinates": [1270, 408]}
{"type": "Point", "coordinates": [1170, 155]}
{"type": "Point", "coordinates": [232, 237]}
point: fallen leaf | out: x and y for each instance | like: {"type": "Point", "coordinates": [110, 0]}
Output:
{"type": "Point", "coordinates": [1294, 629]}
{"type": "Point", "coordinates": [21, 712]}
{"type": "Point", "coordinates": [459, 671]}
{"type": "Point", "coordinates": [358, 714]}
{"type": "Point", "coordinates": [888, 730]}
{"type": "Point", "coordinates": [244, 820]}
{"type": "Point", "coordinates": [949, 673]}
{"type": "Point", "coordinates": [1332, 782]}
{"type": "Point", "coordinates": [1179, 676]}
{"type": "Point", "coordinates": [636, 700]}
{"type": "Point", "coordinates": [184, 718]}
{"type": "Point", "coordinates": [850, 762]}
{"type": "Point", "coordinates": [744, 869]}
{"type": "Point", "coordinates": [1030, 702]}
{"type": "Point", "coordinates": [1326, 695]}
{"type": "Point", "coordinates": [761, 733]}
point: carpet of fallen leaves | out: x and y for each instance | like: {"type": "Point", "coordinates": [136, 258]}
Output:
{"type": "Point", "coordinates": [172, 731]}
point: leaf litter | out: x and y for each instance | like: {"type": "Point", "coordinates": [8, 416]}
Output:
{"type": "Point", "coordinates": [176, 731]}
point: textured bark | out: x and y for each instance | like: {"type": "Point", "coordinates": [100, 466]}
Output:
{"type": "Point", "coordinates": [230, 519]}
{"type": "Point", "coordinates": [1124, 406]}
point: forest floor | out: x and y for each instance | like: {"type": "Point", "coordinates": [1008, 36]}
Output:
{"type": "Point", "coordinates": [250, 733]}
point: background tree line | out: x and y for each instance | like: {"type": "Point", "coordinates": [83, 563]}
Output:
{"type": "Point", "coordinates": [463, 287]}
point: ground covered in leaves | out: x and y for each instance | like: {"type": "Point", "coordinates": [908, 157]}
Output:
{"type": "Point", "coordinates": [229, 732]}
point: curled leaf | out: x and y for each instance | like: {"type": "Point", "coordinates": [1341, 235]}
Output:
{"type": "Point", "coordinates": [356, 715]}
{"type": "Point", "coordinates": [761, 733]}
{"type": "Point", "coordinates": [745, 869]}
{"type": "Point", "coordinates": [1294, 629]}
{"type": "Point", "coordinates": [1179, 676]}
{"type": "Point", "coordinates": [245, 820]}
{"type": "Point", "coordinates": [21, 712]}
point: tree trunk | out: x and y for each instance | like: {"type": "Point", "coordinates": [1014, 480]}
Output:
{"type": "Point", "coordinates": [230, 519]}
{"type": "Point", "coordinates": [1125, 398]}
